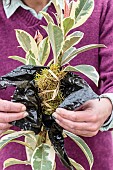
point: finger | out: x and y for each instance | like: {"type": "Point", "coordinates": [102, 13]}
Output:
{"type": "Point", "coordinates": [7, 106]}
{"type": "Point", "coordinates": [9, 117]}
{"type": "Point", "coordinates": [4, 126]}
{"type": "Point", "coordinates": [87, 126]}
{"type": "Point", "coordinates": [78, 116]}
{"type": "Point", "coordinates": [84, 133]}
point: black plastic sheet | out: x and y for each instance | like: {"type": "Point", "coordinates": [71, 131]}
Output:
{"type": "Point", "coordinates": [75, 91]}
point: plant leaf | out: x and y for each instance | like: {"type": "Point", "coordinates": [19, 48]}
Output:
{"type": "Point", "coordinates": [66, 56]}
{"type": "Point", "coordinates": [72, 40]}
{"type": "Point", "coordinates": [7, 132]}
{"type": "Point", "coordinates": [32, 143]}
{"type": "Point", "coordinates": [67, 24]}
{"type": "Point", "coordinates": [76, 165]}
{"type": "Point", "coordinates": [75, 52]}
{"type": "Point", "coordinates": [47, 17]}
{"type": "Point", "coordinates": [31, 60]}
{"type": "Point", "coordinates": [21, 59]}
{"type": "Point", "coordinates": [84, 147]}
{"type": "Point", "coordinates": [43, 158]}
{"type": "Point", "coordinates": [86, 48]}
{"type": "Point", "coordinates": [58, 4]}
{"type": "Point", "coordinates": [7, 138]}
{"type": "Point", "coordinates": [44, 51]}
{"type": "Point", "coordinates": [13, 161]}
{"type": "Point", "coordinates": [27, 42]}
{"type": "Point", "coordinates": [22, 143]}
{"type": "Point", "coordinates": [72, 5]}
{"type": "Point", "coordinates": [87, 70]}
{"type": "Point", "coordinates": [83, 11]}
{"type": "Point", "coordinates": [56, 39]}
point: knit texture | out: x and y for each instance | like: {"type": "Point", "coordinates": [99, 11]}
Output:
{"type": "Point", "coordinates": [97, 29]}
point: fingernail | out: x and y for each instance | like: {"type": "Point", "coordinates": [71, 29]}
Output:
{"type": "Point", "coordinates": [54, 115]}
{"type": "Point", "coordinates": [25, 114]}
{"type": "Point", "coordinates": [23, 108]}
{"type": "Point", "coordinates": [58, 110]}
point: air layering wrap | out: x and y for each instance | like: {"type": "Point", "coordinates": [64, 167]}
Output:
{"type": "Point", "coordinates": [74, 89]}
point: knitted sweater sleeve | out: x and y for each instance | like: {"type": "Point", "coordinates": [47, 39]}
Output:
{"type": "Point", "coordinates": [106, 54]}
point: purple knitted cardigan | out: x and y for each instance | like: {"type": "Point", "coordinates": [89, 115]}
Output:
{"type": "Point", "coordinates": [97, 29]}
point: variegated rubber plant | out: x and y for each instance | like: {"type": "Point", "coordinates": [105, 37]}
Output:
{"type": "Point", "coordinates": [42, 155]}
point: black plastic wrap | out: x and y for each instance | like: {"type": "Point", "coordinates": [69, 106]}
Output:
{"type": "Point", "coordinates": [26, 93]}
{"type": "Point", "coordinates": [75, 91]}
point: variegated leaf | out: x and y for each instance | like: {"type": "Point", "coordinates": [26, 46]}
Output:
{"type": "Point", "coordinates": [56, 39]}
{"type": "Point", "coordinates": [7, 138]}
{"type": "Point", "coordinates": [47, 17]}
{"type": "Point", "coordinates": [30, 140]}
{"type": "Point", "coordinates": [86, 48]}
{"type": "Point", "coordinates": [66, 56]}
{"type": "Point", "coordinates": [59, 4]}
{"type": "Point", "coordinates": [13, 161]}
{"type": "Point", "coordinates": [7, 132]}
{"type": "Point", "coordinates": [72, 5]}
{"type": "Point", "coordinates": [43, 158]}
{"type": "Point", "coordinates": [67, 24]}
{"type": "Point", "coordinates": [21, 59]}
{"type": "Point", "coordinates": [84, 147]}
{"type": "Point", "coordinates": [31, 60]}
{"type": "Point", "coordinates": [84, 9]}
{"type": "Point", "coordinates": [72, 40]}
{"type": "Point", "coordinates": [27, 42]}
{"type": "Point", "coordinates": [76, 165]}
{"type": "Point", "coordinates": [43, 51]}
{"type": "Point", "coordinates": [75, 52]}
{"type": "Point", "coordinates": [87, 70]}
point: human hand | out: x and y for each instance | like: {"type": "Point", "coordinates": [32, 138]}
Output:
{"type": "Point", "coordinates": [87, 119]}
{"type": "Point", "coordinates": [10, 111]}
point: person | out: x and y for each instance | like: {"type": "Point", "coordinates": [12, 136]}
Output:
{"type": "Point", "coordinates": [93, 120]}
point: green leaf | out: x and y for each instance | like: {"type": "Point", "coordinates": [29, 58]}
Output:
{"type": "Point", "coordinates": [13, 161]}
{"type": "Point", "coordinates": [58, 4]}
{"type": "Point", "coordinates": [22, 143]}
{"type": "Point", "coordinates": [87, 70]}
{"type": "Point", "coordinates": [7, 138]}
{"type": "Point", "coordinates": [76, 165]}
{"type": "Point", "coordinates": [72, 40]}
{"type": "Point", "coordinates": [75, 52]}
{"type": "Point", "coordinates": [47, 17]}
{"type": "Point", "coordinates": [67, 24]}
{"type": "Point", "coordinates": [84, 147]}
{"type": "Point", "coordinates": [43, 158]}
{"type": "Point", "coordinates": [66, 57]}
{"type": "Point", "coordinates": [86, 48]}
{"type": "Point", "coordinates": [27, 42]}
{"type": "Point", "coordinates": [7, 132]}
{"type": "Point", "coordinates": [32, 143]}
{"type": "Point", "coordinates": [56, 39]}
{"type": "Point", "coordinates": [45, 28]}
{"type": "Point", "coordinates": [21, 59]}
{"type": "Point", "coordinates": [31, 60]}
{"type": "Point", "coordinates": [84, 9]}
{"type": "Point", "coordinates": [43, 51]}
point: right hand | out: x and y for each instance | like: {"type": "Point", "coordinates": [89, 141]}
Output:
{"type": "Point", "coordinates": [10, 111]}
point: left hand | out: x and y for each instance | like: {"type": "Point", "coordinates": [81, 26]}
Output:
{"type": "Point", "coordinates": [87, 119]}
